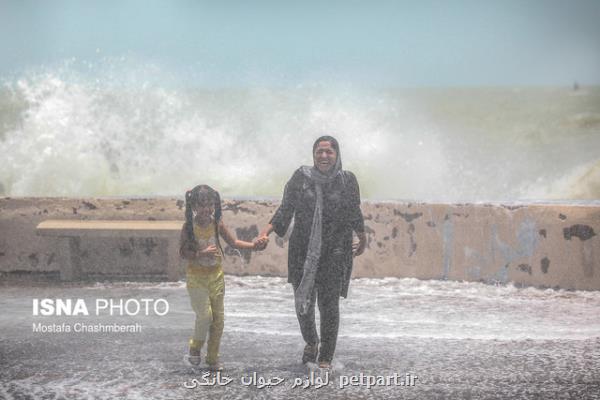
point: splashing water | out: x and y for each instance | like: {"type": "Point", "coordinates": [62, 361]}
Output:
{"type": "Point", "coordinates": [128, 130]}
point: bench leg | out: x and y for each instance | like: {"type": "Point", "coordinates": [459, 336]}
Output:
{"type": "Point", "coordinates": [71, 268]}
{"type": "Point", "coordinates": [173, 260]}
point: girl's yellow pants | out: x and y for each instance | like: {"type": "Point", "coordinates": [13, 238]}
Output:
{"type": "Point", "coordinates": [207, 292]}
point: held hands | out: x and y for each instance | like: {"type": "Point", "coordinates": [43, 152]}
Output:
{"type": "Point", "coordinates": [261, 242]}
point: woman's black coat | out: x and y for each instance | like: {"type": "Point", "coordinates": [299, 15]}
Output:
{"type": "Point", "coordinates": [341, 215]}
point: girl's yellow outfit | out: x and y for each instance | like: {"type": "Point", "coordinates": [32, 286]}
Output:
{"type": "Point", "coordinates": [206, 287]}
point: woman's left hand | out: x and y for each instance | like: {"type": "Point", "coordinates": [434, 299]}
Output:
{"type": "Point", "coordinates": [260, 243]}
{"type": "Point", "coordinates": [359, 247]}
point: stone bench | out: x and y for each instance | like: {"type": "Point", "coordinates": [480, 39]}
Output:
{"type": "Point", "coordinates": [73, 230]}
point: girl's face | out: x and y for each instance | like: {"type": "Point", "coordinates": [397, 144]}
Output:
{"type": "Point", "coordinates": [325, 156]}
{"type": "Point", "coordinates": [203, 210]}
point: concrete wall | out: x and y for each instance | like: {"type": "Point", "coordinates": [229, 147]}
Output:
{"type": "Point", "coordinates": [540, 245]}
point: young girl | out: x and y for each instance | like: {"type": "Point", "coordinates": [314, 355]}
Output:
{"type": "Point", "coordinates": [200, 245]}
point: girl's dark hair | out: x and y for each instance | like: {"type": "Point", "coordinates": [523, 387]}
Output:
{"type": "Point", "coordinates": [202, 194]}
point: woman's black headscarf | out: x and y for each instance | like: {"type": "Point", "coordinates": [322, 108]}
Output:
{"type": "Point", "coordinates": [314, 173]}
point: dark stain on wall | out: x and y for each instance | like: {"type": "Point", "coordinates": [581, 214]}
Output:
{"type": "Point", "coordinates": [247, 234]}
{"type": "Point", "coordinates": [460, 215]}
{"type": "Point", "coordinates": [543, 233]}
{"type": "Point", "coordinates": [413, 247]}
{"type": "Point", "coordinates": [413, 243]}
{"type": "Point", "coordinates": [583, 232]}
{"type": "Point", "coordinates": [408, 217]}
{"type": "Point", "coordinates": [88, 205]}
{"type": "Point", "coordinates": [33, 260]}
{"type": "Point", "coordinates": [525, 268]}
{"type": "Point", "coordinates": [545, 264]}
{"type": "Point", "coordinates": [148, 245]}
{"type": "Point", "coordinates": [512, 208]}
{"type": "Point", "coordinates": [126, 248]}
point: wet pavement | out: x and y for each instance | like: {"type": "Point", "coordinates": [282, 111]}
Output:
{"type": "Point", "coordinates": [455, 340]}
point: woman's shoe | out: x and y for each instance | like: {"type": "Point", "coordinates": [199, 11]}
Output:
{"type": "Point", "coordinates": [310, 353]}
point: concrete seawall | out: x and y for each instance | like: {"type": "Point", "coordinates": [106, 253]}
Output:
{"type": "Point", "coordinates": [543, 245]}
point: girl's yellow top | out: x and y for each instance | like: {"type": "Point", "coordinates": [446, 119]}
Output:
{"type": "Point", "coordinates": [204, 266]}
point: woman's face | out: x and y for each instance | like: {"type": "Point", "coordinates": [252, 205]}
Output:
{"type": "Point", "coordinates": [325, 156]}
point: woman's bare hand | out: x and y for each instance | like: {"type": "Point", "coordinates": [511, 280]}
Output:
{"type": "Point", "coordinates": [359, 247]}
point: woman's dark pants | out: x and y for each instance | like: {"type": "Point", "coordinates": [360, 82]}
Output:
{"type": "Point", "coordinates": [327, 295]}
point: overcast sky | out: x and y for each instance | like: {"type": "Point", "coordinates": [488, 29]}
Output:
{"type": "Point", "coordinates": [397, 43]}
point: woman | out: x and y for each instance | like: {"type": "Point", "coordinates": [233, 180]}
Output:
{"type": "Point", "coordinates": [325, 203]}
